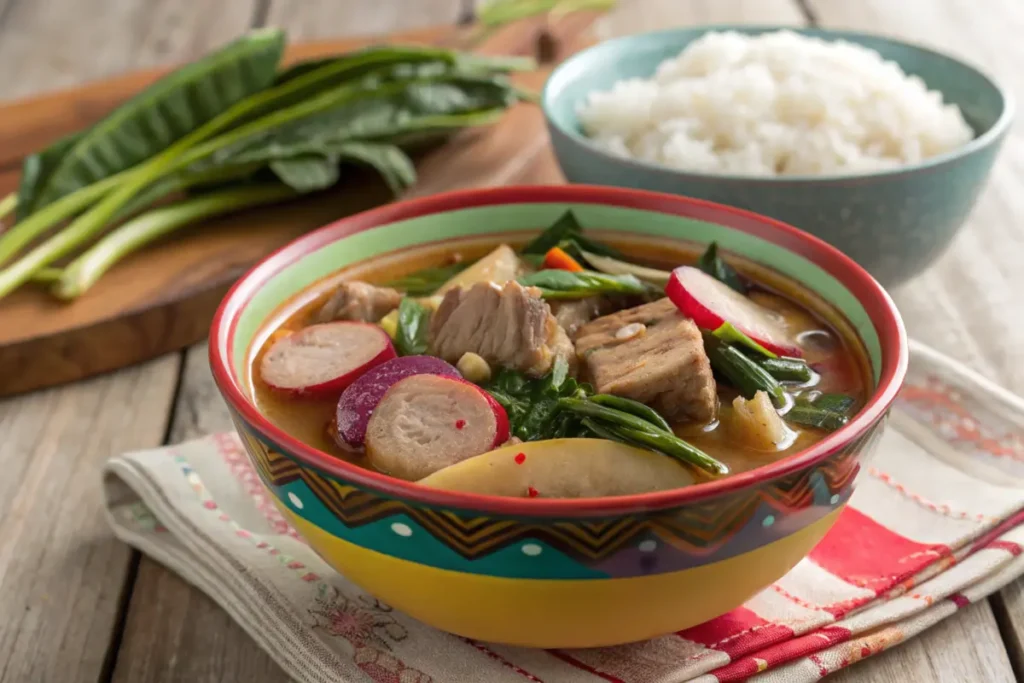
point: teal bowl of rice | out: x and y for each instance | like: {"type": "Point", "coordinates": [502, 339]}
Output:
{"type": "Point", "coordinates": [877, 146]}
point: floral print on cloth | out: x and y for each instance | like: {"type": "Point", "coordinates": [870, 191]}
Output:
{"type": "Point", "coordinates": [940, 507]}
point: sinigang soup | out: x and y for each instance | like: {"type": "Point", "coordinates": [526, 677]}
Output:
{"type": "Point", "coordinates": [577, 364]}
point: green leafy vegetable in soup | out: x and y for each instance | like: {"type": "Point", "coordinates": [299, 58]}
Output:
{"type": "Point", "coordinates": [564, 284]}
{"type": "Point", "coordinates": [413, 327]}
{"type": "Point", "coordinates": [699, 374]}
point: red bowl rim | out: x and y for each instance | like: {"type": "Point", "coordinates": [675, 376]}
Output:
{"type": "Point", "coordinates": [879, 306]}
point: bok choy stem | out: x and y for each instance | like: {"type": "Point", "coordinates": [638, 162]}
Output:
{"type": "Point", "coordinates": [36, 225]}
{"type": "Point", "coordinates": [39, 222]}
{"type": "Point", "coordinates": [8, 204]}
{"type": "Point", "coordinates": [83, 272]}
{"type": "Point", "coordinates": [177, 156]}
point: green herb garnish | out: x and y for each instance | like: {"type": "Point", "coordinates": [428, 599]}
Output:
{"type": "Point", "coordinates": [713, 264]}
{"type": "Point", "coordinates": [557, 406]}
{"type": "Point", "coordinates": [413, 327]}
{"type": "Point", "coordinates": [825, 411]}
{"type": "Point", "coordinates": [427, 281]}
{"type": "Point", "coordinates": [564, 284]}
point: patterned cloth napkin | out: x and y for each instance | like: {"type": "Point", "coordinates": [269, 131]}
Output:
{"type": "Point", "coordinates": [932, 528]}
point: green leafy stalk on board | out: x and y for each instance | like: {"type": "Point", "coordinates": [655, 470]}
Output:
{"type": "Point", "coordinates": [413, 325]}
{"type": "Point", "coordinates": [85, 270]}
{"type": "Point", "coordinates": [300, 128]}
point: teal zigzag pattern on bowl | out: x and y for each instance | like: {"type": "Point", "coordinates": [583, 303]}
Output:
{"type": "Point", "coordinates": [692, 535]}
{"type": "Point", "coordinates": [509, 218]}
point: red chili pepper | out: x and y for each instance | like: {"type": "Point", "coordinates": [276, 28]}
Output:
{"type": "Point", "coordinates": [557, 259]}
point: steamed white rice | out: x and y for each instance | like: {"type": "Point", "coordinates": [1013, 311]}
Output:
{"type": "Point", "coordinates": [775, 104]}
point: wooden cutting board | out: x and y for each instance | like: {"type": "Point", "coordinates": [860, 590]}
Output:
{"type": "Point", "coordinates": [163, 298]}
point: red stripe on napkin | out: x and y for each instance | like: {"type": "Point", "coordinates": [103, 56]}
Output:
{"type": "Point", "coordinates": [737, 633]}
{"type": "Point", "coordinates": [864, 553]}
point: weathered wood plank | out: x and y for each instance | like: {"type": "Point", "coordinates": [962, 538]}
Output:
{"type": "Point", "coordinates": [173, 632]}
{"type": "Point", "coordinates": [967, 304]}
{"type": "Point", "coordinates": [61, 570]}
{"type": "Point", "coordinates": [963, 648]}
{"type": "Point", "coordinates": [176, 633]}
{"type": "Point", "coordinates": [62, 574]}
{"type": "Point", "coordinates": [49, 44]}
{"type": "Point", "coordinates": [312, 19]}
{"type": "Point", "coordinates": [638, 16]}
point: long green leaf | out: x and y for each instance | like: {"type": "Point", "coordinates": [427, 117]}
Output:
{"type": "Point", "coordinates": [159, 116]}
{"type": "Point", "coordinates": [307, 173]}
{"type": "Point", "coordinates": [393, 165]}
{"type": "Point", "coordinates": [37, 169]}
{"type": "Point", "coordinates": [374, 114]}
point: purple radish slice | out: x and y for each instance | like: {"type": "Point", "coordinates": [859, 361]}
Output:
{"type": "Point", "coordinates": [358, 401]}
{"type": "Point", "coordinates": [709, 303]}
{"type": "Point", "coordinates": [321, 360]}
{"type": "Point", "coordinates": [425, 423]}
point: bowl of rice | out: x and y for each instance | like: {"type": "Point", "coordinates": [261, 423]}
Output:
{"type": "Point", "coordinates": [877, 146]}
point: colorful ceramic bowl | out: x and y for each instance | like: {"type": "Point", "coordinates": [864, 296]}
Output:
{"type": "Point", "coordinates": [558, 573]}
{"type": "Point", "coordinates": [894, 223]}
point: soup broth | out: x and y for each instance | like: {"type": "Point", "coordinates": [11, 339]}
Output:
{"type": "Point", "coordinates": [830, 348]}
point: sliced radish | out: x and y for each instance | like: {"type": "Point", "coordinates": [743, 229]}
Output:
{"type": "Point", "coordinates": [427, 422]}
{"type": "Point", "coordinates": [710, 303]}
{"type": "Point", "coordinates": [321, 360]}
{"type": "Point", "coordinates": [360, 398]}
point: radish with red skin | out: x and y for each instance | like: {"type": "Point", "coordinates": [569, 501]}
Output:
{"type": "Point", "coordinates": [321, 360]}
{"type": "Point", "coordinates": [360, 398]}
{"type": "Point", "coordinates": [412, 433]}
{"type": "Point", "coordinates": [709, 303]}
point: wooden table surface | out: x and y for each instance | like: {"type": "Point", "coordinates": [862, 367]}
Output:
{"type": "Point", "coordinates": [77, 605]}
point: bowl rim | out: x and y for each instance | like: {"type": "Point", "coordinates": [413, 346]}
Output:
{"type": "Point", "coordinates": [869, 293]}
{"type": "Point", "coordinates": [995, 132]}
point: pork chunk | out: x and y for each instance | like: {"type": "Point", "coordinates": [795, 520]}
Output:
{"type": "Point", "coordinates": [572, 314]}
{"type": "Point", "coordinates": [359, 301]}
{"type": "Point", "coordinates": [507, 325]}
{"type": "Point", "coordinates": [652, 354]}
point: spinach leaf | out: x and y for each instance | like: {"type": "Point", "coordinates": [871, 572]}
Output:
{"type": "Point", "coordinates": [556, 406]}
{"type": "Point", "coordinates": [567, 233]}
{"type": "Point", "coordinates": [391, 114]}
{"type": "Point", "coordinates": [307, 173]}
{"type": "Point", "coordinates": [712, 264]}
{"type": "Point", "coordinates": [413, 325]}
{"type": "Point", "coordinates": [824, 411]}
{"type": "Point", "coordinates": [532, 403]}
{"type": "Point", "coordinates": [312, 172]}
{"type": "Point", "coordinates": [564, 284]}
{"type": "Point", "coordinates": [427, 281]}
{"type": "Point", "coordinates": [565, 228]}
{"type": "Point", "coordinates": [37, 169]}
{"type": "Point", "coordinates": [160, 115]}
